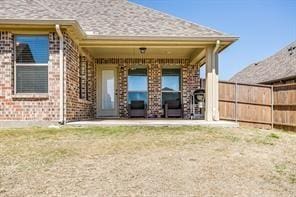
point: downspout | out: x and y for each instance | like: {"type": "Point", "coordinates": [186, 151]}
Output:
{"type": "Point", "coordinates": [217, 46]}
{"type": "Point", "coordinates": [215, 82]}
{"type": "Point", "coordinates": [61, 63]}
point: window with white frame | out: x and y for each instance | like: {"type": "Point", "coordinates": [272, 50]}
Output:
{"type": "Point", "coordinates": [170, 85]}
{"type": "Point", "coordinates": [31, 63]}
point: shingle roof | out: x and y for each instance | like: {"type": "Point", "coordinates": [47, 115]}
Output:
{"type": "Point", "coordinates": [110, 18]}
{"type": "Point", "coordinates": [24, 9]}
{"type": "Point", "coordinates": [281, 65]}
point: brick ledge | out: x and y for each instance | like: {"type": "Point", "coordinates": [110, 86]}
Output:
{"type": "Point", "coordinates": [84, 101]}
{"type": "Point", "coordinates": [31, 96]}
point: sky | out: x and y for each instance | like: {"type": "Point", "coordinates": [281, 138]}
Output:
{"type": "Point", "coordinates": [264, 26]}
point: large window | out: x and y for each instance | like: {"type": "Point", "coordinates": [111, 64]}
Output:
{"type": "Point", "coordinates": [137, 85]}
{"type": "Point", "coordinates": [31, 68]}
{"type": "Point", "coordinates": [170, 85]}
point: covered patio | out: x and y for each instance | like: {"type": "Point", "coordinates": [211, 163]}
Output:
{"type": "Point", "coordinates": [154, 72]}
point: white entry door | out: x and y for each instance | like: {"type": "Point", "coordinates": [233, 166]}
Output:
{"type": "Point", "coordinates": [107, 91]}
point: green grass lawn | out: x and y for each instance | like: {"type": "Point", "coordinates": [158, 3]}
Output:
{"type": "Point", "coordinates": [146, 160]}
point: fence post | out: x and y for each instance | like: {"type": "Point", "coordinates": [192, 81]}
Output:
{"type": "Point", "coordinates": [272, 105]}
{"type": "Point", "coordinates": [235, 106]}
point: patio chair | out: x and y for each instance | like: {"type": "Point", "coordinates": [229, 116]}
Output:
{"type": "Point", "coordinates": [137, 109]}
{"type": "Point", "coordinates": [173, 109]}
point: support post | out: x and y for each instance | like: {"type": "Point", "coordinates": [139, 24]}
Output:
{"type": "Point", "coordinates": [212, 85]}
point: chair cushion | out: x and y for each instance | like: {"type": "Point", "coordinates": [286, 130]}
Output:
{"type": "Point", "coordinates": [137, 104]}
{"type": "Point", "coordinates": [173, 104]}
{"type": "Point", "coordinates": [137, 113]}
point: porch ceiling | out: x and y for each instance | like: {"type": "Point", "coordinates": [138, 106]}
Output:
{"type": "Point", "coordinates": [99, 52]}
{"type": "Point", "coordinates": [194, 50]}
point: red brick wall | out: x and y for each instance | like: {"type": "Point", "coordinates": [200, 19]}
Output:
{"type": "Point", "coordinates": [17, 108]}
{"type": "Point", "coordinates": [34, 107]}
{"type": "Point", "coordinates": [76, 108]}
{"type": "Point", "coordinates": [154, 90]}
{"type": "Point", "coordinates": [190, 82]}
{"type": "Point", "coordinates": [122, 89]}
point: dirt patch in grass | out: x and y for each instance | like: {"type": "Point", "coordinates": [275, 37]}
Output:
{"type": "Point", "coordinates": [147, 161]}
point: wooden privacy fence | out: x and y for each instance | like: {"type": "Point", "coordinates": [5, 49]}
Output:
{"type": "Point", "coordinates": [262, 106]}
{"type": "Point", "coordinates": [284, 108]}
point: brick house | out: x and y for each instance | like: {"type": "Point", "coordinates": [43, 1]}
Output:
{"type": "Point", "coordinates": [69, 60]}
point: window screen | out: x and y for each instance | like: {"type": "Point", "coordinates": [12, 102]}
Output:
{"type": "Point", "coordinates": [32, 54]}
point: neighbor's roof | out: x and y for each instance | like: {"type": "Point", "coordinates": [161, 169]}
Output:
{"type": "Point", "coordinates": [110, 18]}
{"type": "Point", "coordinates": [281, 65]}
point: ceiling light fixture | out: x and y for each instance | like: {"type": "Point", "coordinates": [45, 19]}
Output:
{"type": "Point", "coordinates": [142, 50]}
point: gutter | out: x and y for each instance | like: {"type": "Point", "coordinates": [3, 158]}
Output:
{"type": "Point", "coordinates": [61, 66]}
{"type": "Point", "coordinates": [89, 36]}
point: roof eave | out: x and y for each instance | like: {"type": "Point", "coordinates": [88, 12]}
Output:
{"type": "Point", "coordinates": [37, 21]}
{"type": "Point", "coordinates": [64, 22]}
{"type": "Point", "coordinates": [279, 79]}
{"type": "Point", "coordinates": [84, 35]}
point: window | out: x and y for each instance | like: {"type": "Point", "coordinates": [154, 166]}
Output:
{"type": "Point", "coordinates": [137, 84]}
{"type": "Point", "coordinates": [170, 85]}
{"type": "Point", "coordinates": [31, 64]}
{"type": "Point", "coordinates": [83, 78]}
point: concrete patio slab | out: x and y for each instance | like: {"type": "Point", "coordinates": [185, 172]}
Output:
{"type": "Point", "coordinates": [153, 122]}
